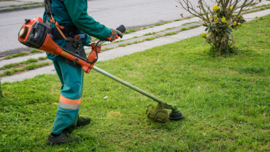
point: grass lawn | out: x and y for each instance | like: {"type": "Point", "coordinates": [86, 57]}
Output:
{"type": "Point", "coordinates": [225, 101]}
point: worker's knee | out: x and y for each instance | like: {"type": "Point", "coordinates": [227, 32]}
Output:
{"type": "Point", "coordinates": [72, 90]}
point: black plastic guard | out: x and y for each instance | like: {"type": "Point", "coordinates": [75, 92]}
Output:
{"type": "Point", "coordinates": [37, 35]}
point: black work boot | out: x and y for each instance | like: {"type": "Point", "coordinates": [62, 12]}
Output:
{"type": "Point", "coordinates": [83, 120]}
{"type": "Point", "coordinates": [63, 138]}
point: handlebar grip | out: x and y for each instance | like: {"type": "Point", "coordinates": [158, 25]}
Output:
{"type": "Point", "coordinates": [121, 28]}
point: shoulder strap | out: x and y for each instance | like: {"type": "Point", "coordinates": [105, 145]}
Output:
{"type": "Point", "coordinates": [48, 9]}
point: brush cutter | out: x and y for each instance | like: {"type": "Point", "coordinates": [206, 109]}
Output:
{"type": "Point", "coordinates": [34, 34]}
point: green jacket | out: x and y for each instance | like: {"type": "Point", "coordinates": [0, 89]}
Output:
{"type": "Point", "coordinates": [74, 12]}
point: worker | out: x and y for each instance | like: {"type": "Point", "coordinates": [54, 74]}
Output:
{"type": "Point", "coordinates": [67, 19]}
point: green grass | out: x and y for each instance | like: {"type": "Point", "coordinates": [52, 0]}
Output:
{"type": "Point", "coordinates": [187, 23]}
{"type": "Point", "coordinates": [42, 58]}
{"type": "Point", "coordinates": [1, 94]}
{"type": "Point", "coordinates": [225, 101]}
{"type": "Point", "coordinates": [35, 51]}
{"type": "Point", "coordinates": [150, 33]}
{"type": "Point", "coordinates": [157, 36]}
{"type": "Point", "coordinates": [170, 33]}
{"type": "Point", "coordinates": [106, 49]}
{"type": "Point", "coordinates": [150, 38]}
{"type": "Point", "coordinates": [25, 68]}
{"type": "Point", "coordinates": [130, 31]}
{"type": "Point", "coordinates": [124, 44]}
{"type": "Point", "coordinates": [15, 55]}
{"type": "Point", "coordinates": [184, 29]}
{"type": "Point", "coordinates": [180, 19]}
{"type": "Point", "coordinates": [23, 63]}
{"type": "Point", "coordinates": [170, 28]}
{"type": "Point", "coordinates": [193, 26]}
{"type": "Point", "coordinates": [258, 8]}
{"type": "Point", "coordinates": [22, 54]}
{"type": "Point", "coordinates": [264, 5]}
{"type": "Point", "coordinates": [7, 66]}
{"type": "Point", "coordinates": [158, 24]}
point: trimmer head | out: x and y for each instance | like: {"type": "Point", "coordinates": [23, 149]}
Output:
{"type": "Point", "coordinates": [175, 115]}
{"type": "Point", "coordinates": [159, 114]}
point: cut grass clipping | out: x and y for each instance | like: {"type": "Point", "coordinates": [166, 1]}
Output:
{"type": "Point", "coordinates": [225, 101]}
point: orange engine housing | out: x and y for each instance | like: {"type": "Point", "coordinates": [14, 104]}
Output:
{"type": "Point", "coordinates": [34, 34]}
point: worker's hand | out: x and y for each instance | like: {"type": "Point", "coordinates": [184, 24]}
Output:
{"type": "Point", "coordinates": [114, 35]}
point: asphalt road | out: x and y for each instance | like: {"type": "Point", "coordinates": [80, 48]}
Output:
{"type": "Point", "coordinates": [111, 13]}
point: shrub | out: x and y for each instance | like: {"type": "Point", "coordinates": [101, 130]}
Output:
{"type": "Point", "coordinates": [219, 19]}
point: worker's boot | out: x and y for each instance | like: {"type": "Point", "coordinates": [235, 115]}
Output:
{"type": "Point", "coordinates": [63, 138]}
{"type": "Point", "coordinates": [83, 120]}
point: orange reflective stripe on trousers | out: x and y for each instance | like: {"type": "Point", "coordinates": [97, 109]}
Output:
{"type": "Point", "coordinates": [72, 104]}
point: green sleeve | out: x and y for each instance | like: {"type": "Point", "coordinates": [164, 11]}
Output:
{"type": "Point", "coordinates": [77, 10]}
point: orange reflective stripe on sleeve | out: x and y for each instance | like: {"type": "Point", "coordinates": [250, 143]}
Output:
{"type": "Point", "coordinates": [70, 101]}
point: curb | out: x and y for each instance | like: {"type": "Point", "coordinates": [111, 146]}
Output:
{"type": "Point", "coordinates": [23, 7]}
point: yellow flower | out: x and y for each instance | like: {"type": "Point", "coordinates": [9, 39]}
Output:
{"type": "Point", "coordinates": [234, 23]}
{"type": "Point", "coordinates": [230, 26]}
{"type": "Point", "coordinates": [203, 34]}
{"type": "Point", "coordinates": [215, 8]}
{"type": "Point", "coordinates": [240, 25]}
{"type": "Point", "coordinates": [231, 8]}
{"type": "Point", "coordinates": [223, 20]}
{"type": "Point", "coordinates": [215, 18]}
{"type": "Point", "coordinates": [210, 16]}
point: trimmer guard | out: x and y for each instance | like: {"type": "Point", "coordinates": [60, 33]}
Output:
{"type": "Point", "coordinates": [157, 113]}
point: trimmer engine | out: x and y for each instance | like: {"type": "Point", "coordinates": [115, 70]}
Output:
{"type": "Point", "coordinates": [33, 33]}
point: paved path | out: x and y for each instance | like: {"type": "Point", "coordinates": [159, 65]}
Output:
{"type": "Point", "coordinates": [122, 51]}
{"type": "Point", "coordinates": [15, 3]}
{"type": "Point", "coordinates": [9, 3]}
{"type": "Point", "coordinates": [126, 37]}
{"type": "Point", "coordinates": [134, 13]}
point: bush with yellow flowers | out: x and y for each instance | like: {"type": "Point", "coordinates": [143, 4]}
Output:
{"type": "Point", "coordinates": [219, 27]}
{"type": "Point", "coordinates": [220, 20]}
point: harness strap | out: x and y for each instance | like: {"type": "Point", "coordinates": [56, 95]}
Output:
{"type": "Point", "coordinates": [69, 31]}
{"type": "Point", "coordinates": [49, 13]}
